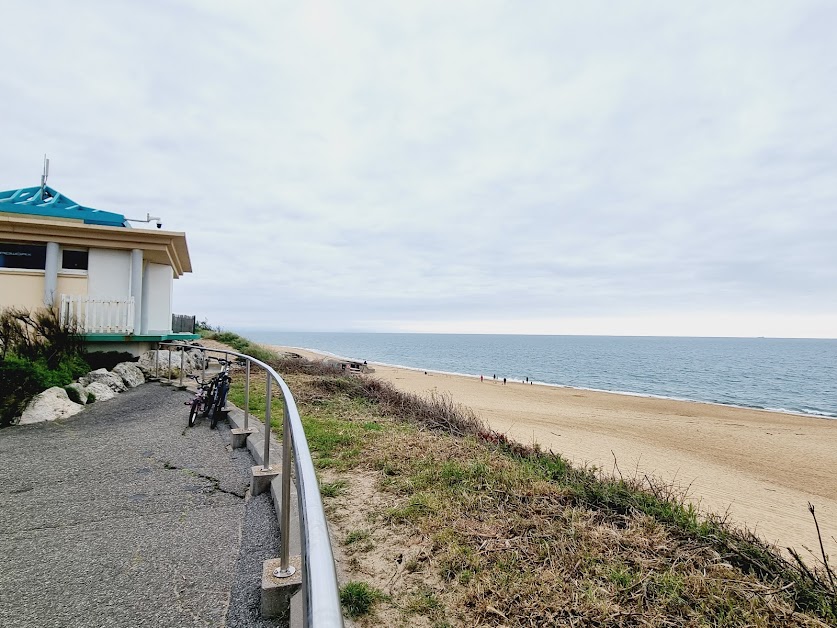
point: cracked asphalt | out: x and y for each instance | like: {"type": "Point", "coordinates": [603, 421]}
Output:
{"type": "Point", "coordinates": [121, 516]}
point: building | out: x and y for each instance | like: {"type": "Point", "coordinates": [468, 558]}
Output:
{"type": "Point", "coordinates": [115, 282]}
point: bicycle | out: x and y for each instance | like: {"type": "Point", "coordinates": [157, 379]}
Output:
{"type": "Point", "coordinates": [211, 396]}
{"type": "Point", "coordinates": [199, 400]}
{"type": "Point", "coordinates": [216, 398]}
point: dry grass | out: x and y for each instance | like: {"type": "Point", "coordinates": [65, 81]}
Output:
{"type": "Point", "coordinates": [459, 526]}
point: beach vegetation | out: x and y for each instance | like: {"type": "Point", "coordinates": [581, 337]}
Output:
{"type": "Point", "coordinates": [357, 598]}
{"type": "Point", "coordinates": [467, 527]}
{"type": "Point", "coordinates": [73, 394]}
{"type": "Point", "coordinates": [355, 536]}
{"type": "Point", "coordinates": [332, 489]}
{"type": "Point", "coordinates": [237, 343]}
{"type": "Point", "coordinates": [37, 352]}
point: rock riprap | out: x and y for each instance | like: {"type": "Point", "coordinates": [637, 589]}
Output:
{"type": "Point", "coordinates": [130, 373]}
{"type": "Point", "coordinates": [154, 361]}
{"type": "Point", "coordinates": [100, 391]}
{"type": "Point", "coordinates": [49, 405]}
{"type": "Point", "coordinates": [112, 380]}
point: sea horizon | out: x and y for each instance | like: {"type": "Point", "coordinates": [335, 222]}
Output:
{"type": "Point", "coordinates": [791, 375]}
{"type": "Point", "coordinates": [248, 330]}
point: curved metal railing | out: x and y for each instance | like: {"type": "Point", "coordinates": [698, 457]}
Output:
{"type": "Point", "coordinates": [321, 596]}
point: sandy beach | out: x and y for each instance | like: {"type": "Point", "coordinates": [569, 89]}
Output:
{"type": "Point", "coordinates": [761, 467]}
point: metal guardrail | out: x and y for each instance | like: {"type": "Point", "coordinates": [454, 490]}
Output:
{"type": "Point", "coordinates": [321, 596]}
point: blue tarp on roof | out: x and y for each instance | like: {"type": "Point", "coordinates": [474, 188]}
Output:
{"type": "Point", "coordinates": [56, 205]}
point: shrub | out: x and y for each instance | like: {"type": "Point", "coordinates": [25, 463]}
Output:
{"type": "Point", "coordinates": [73, 394]}
{"type": "Point", "coordinates": [242, 345]}
{"type": "Point", "coordinates": [357, 598]}
{"type": "Point", "coordinates": [22, 379]}
{"type": "Point", "coordinates": [36, 353]}
{"type": "Point", "coordinates": [37, 335]}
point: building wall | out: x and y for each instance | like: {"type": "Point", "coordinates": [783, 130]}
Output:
{"type": "Point", "coordinates": [157, 297]}
{"type": "Point", "coordinates": [75, 284]}
{"type": "Point", "coordinates": [20, 288]}
{"type": "Point", "coordinates": [109, 274]}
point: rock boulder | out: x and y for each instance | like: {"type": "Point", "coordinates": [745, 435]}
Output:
{"type": "Point", "coordinates": [100, 391]}
{"type": "Point", "coordinates": [130, 373]}
{"type": "Point", "coordinates": [49, 405]}
{"type": "Point", "coordinates": [147, 361]}
{"type": "Point", "coordinates": [80, 390]}
{"type": "Point", "coordinates": [111, 380]}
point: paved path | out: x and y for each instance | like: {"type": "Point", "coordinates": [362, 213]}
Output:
{"type": "Point", "coordinates": [120, 516]}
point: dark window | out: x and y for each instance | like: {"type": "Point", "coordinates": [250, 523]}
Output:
{"type": "Point", "coordinates": [74, 260]}
{"type": "Point", "coordinates": [22, 256]}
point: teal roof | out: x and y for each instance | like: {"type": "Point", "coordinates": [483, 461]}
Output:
{"type": "Point", "coordinates": [55, 205]}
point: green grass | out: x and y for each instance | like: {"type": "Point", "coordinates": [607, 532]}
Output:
{"type": "Point", "coordinates": [358, 597]}
{"type": "Point", "coordinates": [424, 601]}
{"type": "Point", "coordinates": [333, 489]}
{"type": "Point", "coordinates": [356, 536]}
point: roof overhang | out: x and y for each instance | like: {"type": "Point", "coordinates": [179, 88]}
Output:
{"type": "Point", "coordinates": [45, 201]}
{"type": "Point", "coordinates": [159, 247]}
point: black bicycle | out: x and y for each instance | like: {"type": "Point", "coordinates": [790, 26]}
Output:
{"type": "Point", "coordinates": [211, 396]}
{"type": "Point", "coordinates": [216, 399]}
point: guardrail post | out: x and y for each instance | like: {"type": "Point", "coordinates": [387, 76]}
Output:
{"type": "Point", "coordinates": [169, 350]}
{"type": "Point", "coordinates": [262, 476]}
{"type": "Point", "coordinates": [182, 365]}
{"type": "Point", "coordinates": [239, 435]}
{"type": "Point", "coordinates": [280, 583]}
{"type": "Point", "coordinates": [247, 395]}
{"type": "Point", "coordinates": [267, 409]}
{"type": "Point", "coordinates": [285, 569]}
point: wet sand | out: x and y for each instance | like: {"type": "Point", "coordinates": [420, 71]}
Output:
{"type": "Point", "coordinates": [760, 467]}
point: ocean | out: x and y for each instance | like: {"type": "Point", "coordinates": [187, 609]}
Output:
{"type": "Point", "coordinates": [789, 375]}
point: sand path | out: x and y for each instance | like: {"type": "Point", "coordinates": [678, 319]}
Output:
{"type": "Point", "coordinates": [761, 467]}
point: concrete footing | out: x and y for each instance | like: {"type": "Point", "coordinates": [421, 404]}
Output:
{"type": "Point", "coordinates": [277, 592]}
{"type": "Point", "coordinates": [260, 479]}
{"type": "Point", "coordinates": [239, 436]}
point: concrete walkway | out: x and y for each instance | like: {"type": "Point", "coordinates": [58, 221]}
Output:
{"type": "Point", "coordinates": [121, 516]}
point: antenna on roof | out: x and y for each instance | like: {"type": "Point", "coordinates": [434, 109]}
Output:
{"type": "Point", "coordinates": [44, 176]}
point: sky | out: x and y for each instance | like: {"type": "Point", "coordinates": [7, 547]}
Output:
{"type": "Point", "coordinates": [630, 168]}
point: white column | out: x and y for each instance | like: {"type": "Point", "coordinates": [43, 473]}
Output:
{"type": "Point", "coordinates": [51, 273]}
{"type": "Point", "coordinates": [136, 288]}
{"type": "Point", "coordinates": [142, 322]}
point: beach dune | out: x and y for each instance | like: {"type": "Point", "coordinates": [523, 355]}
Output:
{"type": "Point", "coordinates": [761, 468]}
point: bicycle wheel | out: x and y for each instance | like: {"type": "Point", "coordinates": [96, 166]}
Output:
{"type": "Point", "coordinates": [220, 400]}
{"type": "Point", "coordinates": [193, 413]}
{"type": "Point", "coordinates": [209, 399]}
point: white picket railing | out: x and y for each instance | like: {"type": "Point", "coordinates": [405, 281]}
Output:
{"type": "Point", "coordinates": [98, 316]}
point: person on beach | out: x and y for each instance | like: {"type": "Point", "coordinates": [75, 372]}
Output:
{"type": "Point", "coordinates": [480, 379]}
{"type": "Point", "coordinates": [504, 381]}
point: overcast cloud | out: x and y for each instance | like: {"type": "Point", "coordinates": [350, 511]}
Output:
{"type": "Point", "coordinates": [525, 167]}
